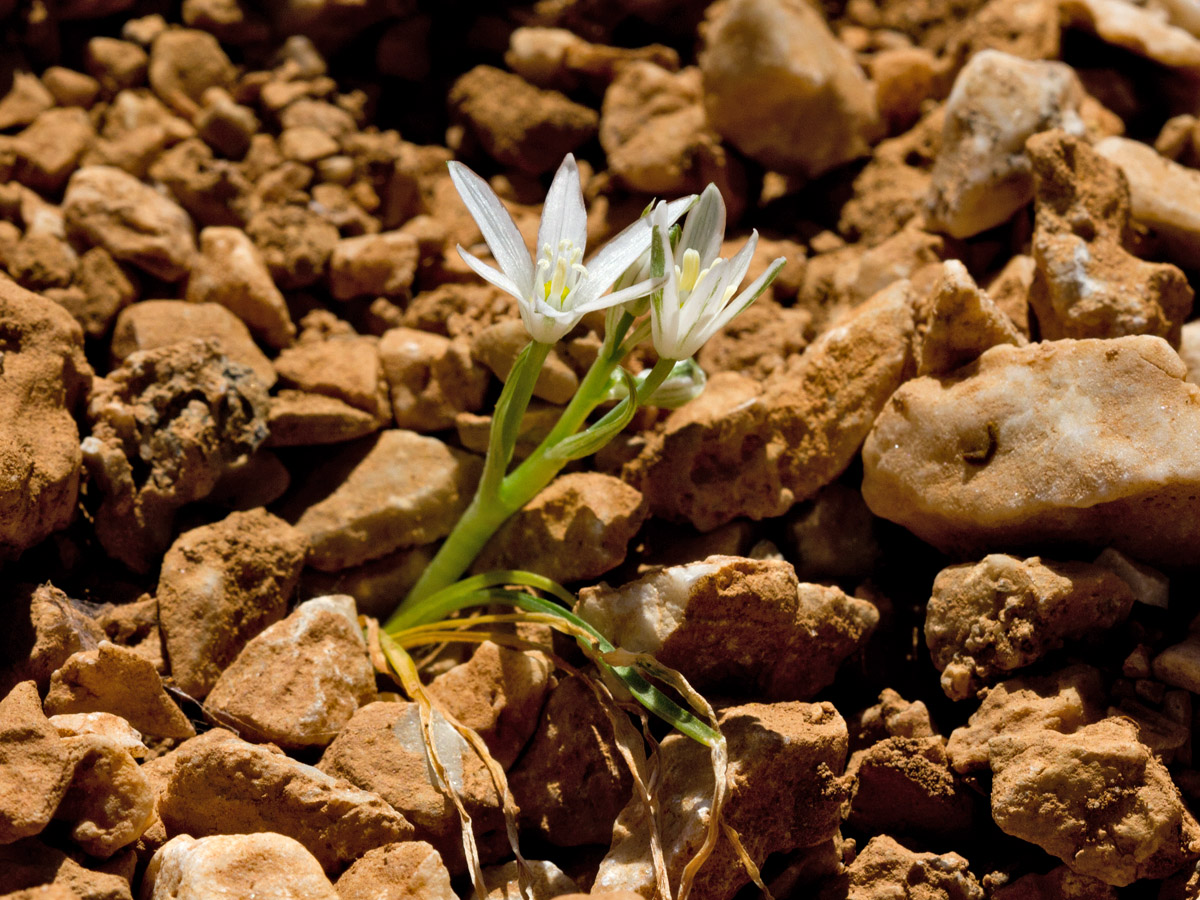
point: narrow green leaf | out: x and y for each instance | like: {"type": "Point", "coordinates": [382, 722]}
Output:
{"type": "Point", "coordinates": [603, 430]}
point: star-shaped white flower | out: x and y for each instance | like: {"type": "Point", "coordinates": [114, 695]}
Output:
{"type": "Point", "coordinates": [697, 299]}
{"type": "Point", "coordinates": [555, 290]}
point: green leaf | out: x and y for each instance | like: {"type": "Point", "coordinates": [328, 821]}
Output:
{"type": "Point", "coordinates": [510, 410]}
{"type": "Point", "coordinates": [603, 430]}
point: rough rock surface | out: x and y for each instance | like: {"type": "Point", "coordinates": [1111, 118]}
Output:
{"type": "Point", "coordinates": [265, 866]}
{"type": "Point", "coordinates": [374, 265]}
{"type": "Point", "coordinates": [108, 207]}
{"type": "Point", "coordinates": [1087, 284]}
{"type": "Point", "coordinates": [884, 867]}
{"type": "Point", "coordinates": [1096, 798]}
{"type": "Point", "coordinates": [184, 413]}
{"type": "Point", "coordinates": [785, 794]}
{"type": "Point", "coordinates": [110, 802]}
{"type": "Point", "coordinates": [298, 681]}
{"type": "Point", "coordinates": [770, 68]}
{"type": "Point", "coordinates": [431, 378]}
{"type": "Point", "coordinates": [381, 750]}
{"type": "Point", "coordinates": [117, 680]}
{"type": "Point", "coordinates": [40, 871]}
{"type": "Point", "coordinates": [35, 765]}
{"type": "Point", "coordinates": [577, 527]}
{"type": "Point", "coordinates": [40, 627]}
{"type": "Point", "coordinates": [742, 450]}
{"type": "Point", "coordinates": [344, 367]}
{"type": "Point", "coordinates": [301, 419]}
{"type": "Point", "coordinates": [956, 322]}
{"type": "Point", "coordinates": [1064, 441]}
{"type": "Point", "coordinates": [45, 378]}
{"type": "Point", "coordinates": [398, 490]}
{"type": "Point", "coordinates": [1136, 29]}
{"type": "Point", "coordinates": [985, 620]}
{"type": "Point", "coordinates": [397, 872]}
{"type": "Point", "coordinates": [498, 346]}
{"type": "Point", "coordinates": [1064, 701]}
{"type": "Point", "coordinates": [221, 585]}
{"type": "Point", "coordinates": [982, 175]}
{"type": "Point", "coordinates": [740, 626]}
{"type": "Point", "coordinates": [216, 786]}
{"type": "Point", "coordinates": [904, 785]}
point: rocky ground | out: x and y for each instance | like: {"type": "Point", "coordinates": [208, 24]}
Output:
{"type": "Point", "coordinates": [928, 540]}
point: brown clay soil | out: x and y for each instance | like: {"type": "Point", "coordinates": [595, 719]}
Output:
{"type": "Point", "coordinates": [927, 541]}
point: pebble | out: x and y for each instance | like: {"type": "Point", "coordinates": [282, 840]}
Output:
{"type": "Point", "coordinates": [184, 63]}
{"type": "Point", "coordinates": [431, 378]}
{"type": "Point", "coordinates": [110, 803]}
{"type": "Point", "coordinates": [498, 346]}
{"type": "Point", "coordinates": [345, 368]}
{"type": "Point", "coordinates": [374, 265]}
{"type": "Point", "coordinates": [884, 863]}
{"type": "Point", "coordinates": [32, 870]}
{"type": "Point", "coordinates": [262, 866]}
{"type": "Point", "coordinates": [301, 419]}
{"type": "Point", "coordinates": [397, 872]}
{"type": "Point", "coordinates": [956, 322]}
{"type": "Point", "coordinates": [40, 627]}
{"type": "Point", "coordinates": [1134, 28]}
{"type": "Point", "coordinates": [36, 765]}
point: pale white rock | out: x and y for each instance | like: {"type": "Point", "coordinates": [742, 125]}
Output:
{"type": "Point", "coordinates": [1088, 441]}
{"type": "Point", "coordinates": [1163, 195]}
{"type": "Point", "coordinates": [299, 681]}
{"type": "Point", "coordinates": [1189, 350]}
{"type": "Point", "coordinates": [1184, 14]}
{"type": "Point", "coordinates": [982, 174]}
{"type": "Point", "coordinates": [264, 866]}
{"type": "Point", "coordinates": [231, 271]}
{"type": "Point", "coordinates": [546, 881]}
{"type": "Point", "coordinates": [1143, 30]}
{"type": "Point", "coordinates": [772, 70]}
{"type": "Point", "coordinates": [1149, 586]}
{"type": "Point", "coordinates": [114, 729]}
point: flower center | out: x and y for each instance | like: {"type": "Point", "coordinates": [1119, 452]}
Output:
{"type": "Point", "coordinates": [560, 270]}
{"type": "Point", "coordinates": [690, 274]}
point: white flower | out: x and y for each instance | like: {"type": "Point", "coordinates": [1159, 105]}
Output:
{"type": "Point", "coordinates": [697, 298]}
{"type": "Point", "coordinates": [554, 291]}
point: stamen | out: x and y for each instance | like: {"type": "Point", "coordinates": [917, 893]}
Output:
{"type": "Point", "coordinates": [558, 286]}
{"type": "Point", "coordinates": [691, 269]}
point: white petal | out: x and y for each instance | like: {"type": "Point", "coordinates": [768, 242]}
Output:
{"type": "Point", "coordinates": [750, 294]}
{"type": "Point", "coordinates": [633, 292]}
{"type": "Point", "coordinates": [497, 226]}
{"type": "Point", "coordinates": [545, 323]}
{"type": "Point", "coordinates": [704, 227]}
{"type": "Point", "coordinates": [563, 214]}
{"type": "Point", "coordinates": [490, 275]}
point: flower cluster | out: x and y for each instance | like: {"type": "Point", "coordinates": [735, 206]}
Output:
{"type": "Point", "coordinates": [691, 290]}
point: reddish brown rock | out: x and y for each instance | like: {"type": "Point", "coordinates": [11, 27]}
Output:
{"type": "Point", "coordinates": [220, 585]}
{"type": "Point", "coordinates": [27, 99]}
{"type": "Point", "coordinates": [294, 242]}
{"type": "Point", "coordinates": [346, 368]}
{"type": "Point", "coordinates": [45, 378]}
{"type": "Point", "coordinates": [216, 784]}
{"type": "Point", "coordinates": [184, 63]}
{"type": "Point", "coordinates": [431, 379]}
{"type": "Point", "coordinates": [35, 765]}
{"type": "Point", "coordinates": [759, 341]}
{"type": "Point", "coordinates": [1047, 785]}
{"type": "Point", "coordinates": [498, 346]}
{"type": "Point", "coordinates": [988, 619]}
{"type": "Point", "coordinates": [397, 872]}
{"type": "Point", "coordinates": [109, 803]}
{"type": "Point", "coordinates": [185, 413]}
{"type": "Point", "coordinates": [70, 88]}
{"type": "Point", "coordinates": [381, 749]}
{"type": "Point", "coordinates": [374, 265]}
{"type": "Point", "coordinates": [300, 419]}
{"type": "Point", "coordinates": [518, 124]}
{"type": "Point", "coordinates": [266, 866]}
{"type": "Point", "coordinates": [40, 871]}
{"type": "Point", "coordinates": [885, 864]}
{"type": "Point", "coordinates": [50, 148]}
{"type": "Point", "coordinates": [115, 64]}
{"type": "Point", "coordinates": [40, 627]}
{"type": "Point", "coordinates": [397, 490]}
{"type": "Point", "coordinates": [297, 682]}
{"type": "Point", "coordinates": [104, 289]}
{"type": "Point", "coordinates": [106, 207]}
{"type": "Point", "coordinates": [459, 310]}
{"type": "Point", "coordinates": [956, 322]}
{"type": "Point", "coordinates": [735, 625]}
{"type": "Point", "coordinates": [576, 528]}
{"type": "Point", "coordinates": [117, 680]}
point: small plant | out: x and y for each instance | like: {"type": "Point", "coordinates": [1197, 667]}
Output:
{"type": "Point", "coordinates": [656, 280]}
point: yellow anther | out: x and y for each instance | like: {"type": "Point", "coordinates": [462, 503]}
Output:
{"type": "Point", "coordinates": [691, 269]}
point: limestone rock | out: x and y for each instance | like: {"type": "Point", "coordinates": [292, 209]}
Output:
{"type": "Point", "coordinates": [1097, 799]}
{"type": "Point", "coordinates": [109, 803]}
{"type": "Point", "coordinates": [112, 728]}
{"type": "Point", "coordinates": [1137, 29]}
{"type": "Point", "coordinates": [346, 368]}
{"type": "Point", "coordinates": [220, 585]}
{"type": "Point", "coordinates": [771, 68]}
{"type": "Point", "coordinates": [107, 207]}
{"type": "Point", "coordinates": [397, 872]}
{"type": "Point", "coordinates": [571, 781]}
{"type": "Point", "coordinates": [1163, 195]}
{"type": "Point", "coordinates": [35, 765]}
{"type": "Point", "coordinates": [1064, 701]}
{"type": "Point", "coordinates": [785, 794]}
{"type": "Point", "coordinates": [374, 265]}
{"type": "Point", "coordinates": [578, 527]}
{"type": "Point", "coordinates": [231, 271]}
{"type": "Point", "coordinates": [298, 681]}
{"type": "Point", "coordinates": [982, 175]}
{"type": "Point", "coordinates": [1004, 613]}
{"type": "Point", "coordinates": [117, 680]}
{"type": "Point", "coordinates": [655, 132]}
{"type": "Point", "coordinates": [381, 749]}
{"type": "Point", "coordinates": [518, 124]}
{"type": "Point", "coordinates": [499, 693]}
{"type": "Point", "coordinates": [184, 63]}
{"type": "Point", "coordinates": [397, 490]}
{"type": "Point", "coordinates": [741, 450]}
{"type": "Point", "coordinates": [956, 322]}
{"type": "Point", "coordinates": [301, 419]}
{"type": "Point", "coordinates": [216, 786]}
{"type": "Point", "coordinates": [1081, 441]}
{"type": "Point", "coordinates": [265, 866]}
{"type": "Point", "coordinates": [1087, 284]}
{"type": "Point", "coordinates": [884, 865]}
{"type": "Point", "coordinates": [157, 323]}
{"type": "Point", "coordinates": [740, 626]}
{"type": "Point", "coordinates": [40, 627]}
{"type": "Point", "coordinates": [49, 150]}
{"type": "Point", "coordinates": [186, 413]}
{"type": "Point", "coordinates": [431, 378]}
{"type": "Point", "coordinates": [45, 378]}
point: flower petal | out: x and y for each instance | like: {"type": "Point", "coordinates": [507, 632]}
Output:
{"type": "Point", "coordinates": [490, 275]}
{"type": "Point", "coordinates": [704, 227]}
{"type": "Point", "coordinates": [563, 214]}
{"type": "Point", "coordinates": [750, 294]}
{"type": "Point", "coordinates": [497, 226]}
